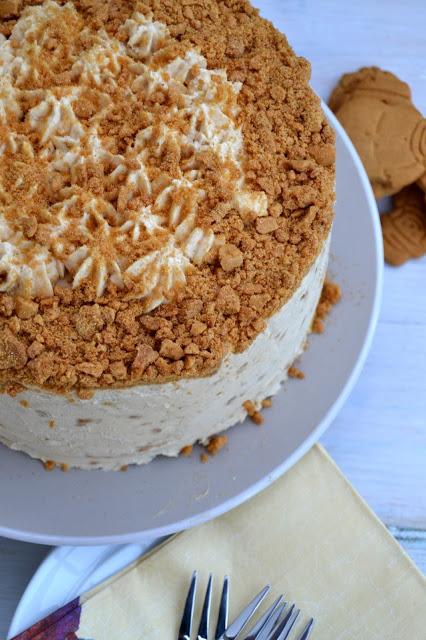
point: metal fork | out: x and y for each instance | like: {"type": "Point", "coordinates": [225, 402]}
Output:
{"type": "Point", "coordinates": [275, 624]}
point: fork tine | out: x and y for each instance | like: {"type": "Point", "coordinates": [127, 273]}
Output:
{"type": "Point", "coordinates": [307, 630]}
{"type": "Point", "coordinates": [222, 618]}
{"type": "Point", "coordinates": [203, 629]}
{"type": "Point", "coordinates": [272, 622]}
{"type": "Point", "coordinates": [290, 619]}
{"type": "Point", "coordinates": [188, 612]}
{"type": "Point", "coordinates": [290, 625]}
{"type": "Point", "coordinates": [275, 635]}
{"type": "Point", "coordinates": [266, 623]}
{"type": "Point", "coordinates": [241, 620]}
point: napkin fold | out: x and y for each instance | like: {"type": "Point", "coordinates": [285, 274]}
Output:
{"type": "Point", "coordinates": [309, 535]}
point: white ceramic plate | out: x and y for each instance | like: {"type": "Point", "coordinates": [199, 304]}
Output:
{"type": "Point", "coordinates": [65, 574]}
{"type": "Point", "coordinates": [95, 507]}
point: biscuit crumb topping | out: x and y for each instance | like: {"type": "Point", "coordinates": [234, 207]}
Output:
{"type": "Point", "coordinates": [166, 181]}
{"type": "Point", "coordinates": [330, 295]}
{"type": "Point", "coordinates": [253, 413]}
{"type": "Point", "coordinates": [295, 372]}
{"type": "Point", "coordinates": [216, 443]}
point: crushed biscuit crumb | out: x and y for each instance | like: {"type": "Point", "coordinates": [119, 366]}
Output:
{"type": "Point", "coordinates": [145, 355]}
{"type": "Point", "coordinates": [294, 372]}
{"type": "Point", "coordinates": [257, 418]}
{"type": "Point", "coordinates": [252, 412]}
{"type": "Point", "coordinates": [266, 225]}
{"type": "Point", "coordinates": [25, 309]}
{"type": "Point", "coordinates": [330, 295]}
{"type": "Point", "coordinates": [317, 326]}
{"type": "Point", "coordinates": [12, 389]}
{"type": "Point", "coordinates": [250, 407]}
{"type": "Point", "coordinates": [228, 300]}
{"type": "Point", "coordinates": [186, 451]}
{"type": "Point", "coordinates": [85, 394]}
{"type": "Point", "coordinates": [82, 422]}
{"type": "Point", "coordinates": [230, 257]}
{"type": "Point", "coordinates": [170, 349]}
{"type": "Point", "coordinates": [9, 8]}
{"type": "Point", "coordinates": [13, 354]}
{"type": "Point", "coordinates": [216, 443]}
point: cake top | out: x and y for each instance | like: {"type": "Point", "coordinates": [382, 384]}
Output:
{"type": "Point", "coordinates": [166, 180]}
{"type": "Point", "coordinates": [83, 203]}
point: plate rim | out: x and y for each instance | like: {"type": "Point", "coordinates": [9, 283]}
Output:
{"type": "Point", "coordinates": [276, 472]}
{"type": "Point", "coordinates": [26, 598]}
{"type": "Point", "coordinates": [22, 604]}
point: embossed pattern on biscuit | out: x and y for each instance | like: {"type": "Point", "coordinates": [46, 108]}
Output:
{"type": "Point", "coordinates": [404, 228]}
{"type": "Point", "coordinates": [389, 133]}
{"type": "Point", "coordinates": [372, 80]}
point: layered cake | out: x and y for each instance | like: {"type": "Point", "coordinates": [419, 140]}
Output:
{"type": "Point", "coordinates": [166, 202]}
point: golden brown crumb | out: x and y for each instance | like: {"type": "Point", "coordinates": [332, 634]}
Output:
{"type": "Point", "coordinates": [186, 451]}
{"type": "Point", "coordinates": [12, 389]}
{"type": "Point", "coordinates": [52, 424]}
{"type": "Point", "coordinates": [145, 355]}
{"type": "Point", "coordinates": [267, 403]}
{"type": "Point", "coordinates": [330, 295]}
{"type": "Point", "coordinates": [64, 467]}
{"type": "Point", "coordinates": [85, 394]}
{"type": "Point", "coordinates": [317, 326]}
{"type": "Point", "coordinates": [25, 309]}
{"type": "Point", "coordinates": [216, 443]}
{"type": "Point", "coordinates": [24, 403]}
{"type": "Point", "coordinates": [9, 8]}
{"type": "Point", "coordinates": [250, 407]}
{"type": "Point", "coordinates": [88, 321]}
{"type": "Point", "coordinates": [230, 257]}
{"type": "Point", "coordinates": [49, 465]}
{"type": "Point", "coordinates": [228, 301]}
{"type": "Point", "coordinates": [294, 372]}
{"type": "Point", "coordinates": [34, 349]}
{"type": "Point", "coordinates": [257, 418]}
{"type": "Point", "coordinates": [13, 354]}
{"type": "Point", "coordinates": [254, 415]}
{"type": "Point", "coordinates": [266, 225]}
{"type": "Point", "coordinates": [204, 457]}
{"type": "Point", "coordinates": [170, 349]}
{"type": "Point", "coordinates": [125, 467]}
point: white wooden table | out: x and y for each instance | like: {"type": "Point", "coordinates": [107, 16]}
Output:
{"type": "Point", "coordinates": [379, 438]}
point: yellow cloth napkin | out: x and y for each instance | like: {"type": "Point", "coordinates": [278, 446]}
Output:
{"type": "Point", "coordinates": [309, 535]}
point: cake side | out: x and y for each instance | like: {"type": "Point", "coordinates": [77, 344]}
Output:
{"type": "Point", "coordinates": [209, 199]}
{"type": "Point", "coordinates": [133, 425]}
